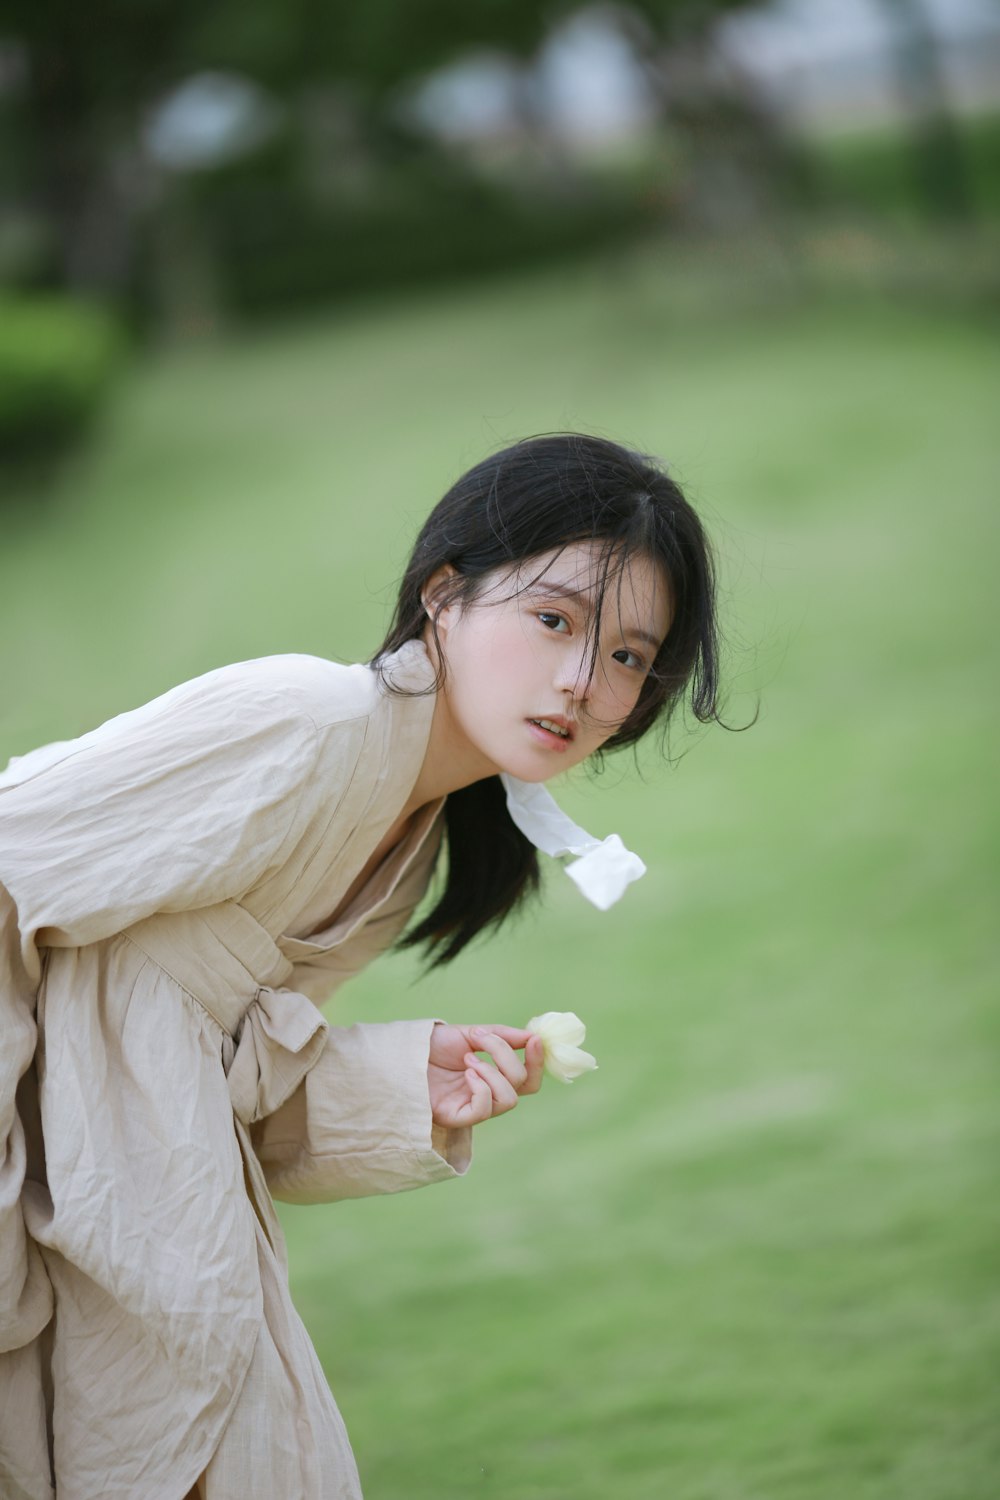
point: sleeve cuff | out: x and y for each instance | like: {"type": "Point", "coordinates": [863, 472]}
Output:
{"type": "Point", "coordinates": [360, 1121]}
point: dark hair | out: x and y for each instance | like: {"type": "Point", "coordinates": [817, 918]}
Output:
{"type": "Point", "coordinates": [538, 496]}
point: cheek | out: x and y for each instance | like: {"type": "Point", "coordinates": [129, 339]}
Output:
{"type": "Point", "coordinates": [500, 649]}
{"type": "Point", "coordinates": [620, 693]}
{"type": "Point", "coordinates": [610, 708]}
{"type": "Point", "coordinates": [485, 663]}
{"type": "Point", "coordinates": [640, 696]}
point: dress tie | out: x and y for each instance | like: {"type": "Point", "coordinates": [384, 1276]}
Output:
{"type": "Point", "coordinates": [279, 1039]}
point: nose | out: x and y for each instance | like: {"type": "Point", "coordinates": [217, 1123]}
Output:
{"type": "Point", "coordinates": [573, 671]}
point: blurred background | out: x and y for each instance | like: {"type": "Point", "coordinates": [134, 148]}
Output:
{"type": "Point", "coordinates": [271, 276]}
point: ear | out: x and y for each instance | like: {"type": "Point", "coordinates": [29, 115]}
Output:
{"type": "Point", "coordinates": [435, 591]}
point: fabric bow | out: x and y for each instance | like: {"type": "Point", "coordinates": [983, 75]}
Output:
{"type": "Point", "coordinates": [281, 1038]}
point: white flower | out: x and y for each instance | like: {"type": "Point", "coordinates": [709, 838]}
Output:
{"type": "Point", "coordinates": [562, 1032]}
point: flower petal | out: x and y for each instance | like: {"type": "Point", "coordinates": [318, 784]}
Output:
{"type": "Point", "coordinates": [557, 1026]}
{"type": "Point", "coordinates": [567, 1063]}
{"type": "Point", "coordinates": [561, 1031]}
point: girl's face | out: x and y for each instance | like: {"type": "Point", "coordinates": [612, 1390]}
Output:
{"type": "Point", "coordinates": [518, 694]}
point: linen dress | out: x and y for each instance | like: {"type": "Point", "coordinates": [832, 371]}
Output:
{"type": "Point", "coordinates": [166, 885]}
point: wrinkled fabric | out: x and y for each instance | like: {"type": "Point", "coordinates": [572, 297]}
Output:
{"type": "Point", "coordinates": [166, 889]}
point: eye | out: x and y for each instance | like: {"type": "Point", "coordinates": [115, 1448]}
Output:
{"type": "Point", "coordinates": [630, 659]}
{"type": "Point", "coordinates": [553, 621]}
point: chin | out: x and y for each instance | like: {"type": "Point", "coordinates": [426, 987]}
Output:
{"type": "Point", "coordinates": [535, 773]}
{"type": "Point", "coordinates": [525, 773]}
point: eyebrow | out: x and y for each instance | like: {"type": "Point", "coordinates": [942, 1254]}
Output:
{"type": "Point", "coordinates": [540, 586]}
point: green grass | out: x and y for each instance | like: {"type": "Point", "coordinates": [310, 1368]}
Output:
{"type": "Point", "coordinates": [755, 1256]}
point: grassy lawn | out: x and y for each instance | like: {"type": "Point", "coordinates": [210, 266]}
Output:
{"type": "Point", "coordinates": [755, 1256]}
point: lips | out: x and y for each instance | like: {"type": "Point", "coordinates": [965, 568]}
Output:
{"type": "Point", "coordinates": [553, 730]}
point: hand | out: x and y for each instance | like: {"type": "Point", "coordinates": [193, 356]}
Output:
{"type": "Point", "coordinates": [464, 1089]}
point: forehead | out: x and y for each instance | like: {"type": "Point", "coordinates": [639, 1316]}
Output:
{"type": "Point", "coordinates": [636, 591]}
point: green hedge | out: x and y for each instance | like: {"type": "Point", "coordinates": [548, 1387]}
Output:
{"type": "Point", "coordinates": [57, 357]}
{"type": "Point", "coordinates": [880, 170]}
{"type": "Point", "coordinates": [276, 247]}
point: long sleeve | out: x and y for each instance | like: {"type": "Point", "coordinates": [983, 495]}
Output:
{"type": "Point", "coordinates": [25, 1294]}
{"type": "Point", "coordinates": [359, 1123]}
{"type": "Point", "coordinates": [180, 804]}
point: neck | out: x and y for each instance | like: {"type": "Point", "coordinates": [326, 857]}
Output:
{"type": "Point", "coordinates": [450, 762]}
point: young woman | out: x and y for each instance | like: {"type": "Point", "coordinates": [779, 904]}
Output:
{"type": "Point", "coordinates": [181, 887]}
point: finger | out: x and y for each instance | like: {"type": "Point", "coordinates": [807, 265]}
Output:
{"type": "Point", "coordinates": [504, 1094]}
{"type": "Point", "coordinates": [506, 1059]}
{"type": "Point", "coordinates": [479, 1105]}
{"type": "Point", "coordinates": [534, 1059]}
{"type": "Point", "coordinates": [514, 1036]}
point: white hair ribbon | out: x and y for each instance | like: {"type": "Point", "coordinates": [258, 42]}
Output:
{"type": "Point", "coordinates": [604, 866]}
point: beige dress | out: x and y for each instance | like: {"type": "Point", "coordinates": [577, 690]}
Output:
{"type": "Point", "coordinates": [164, 1070]}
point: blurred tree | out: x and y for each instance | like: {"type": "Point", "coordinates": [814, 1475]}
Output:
{"type": "Point", "coordinates": [93, 73]}
{"type": "Point", "coordinates": [939, 161]}
{"type": "Point", "coordinates": [736, 160]}
{"type": "Point", "coordinates": [80, 104]}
